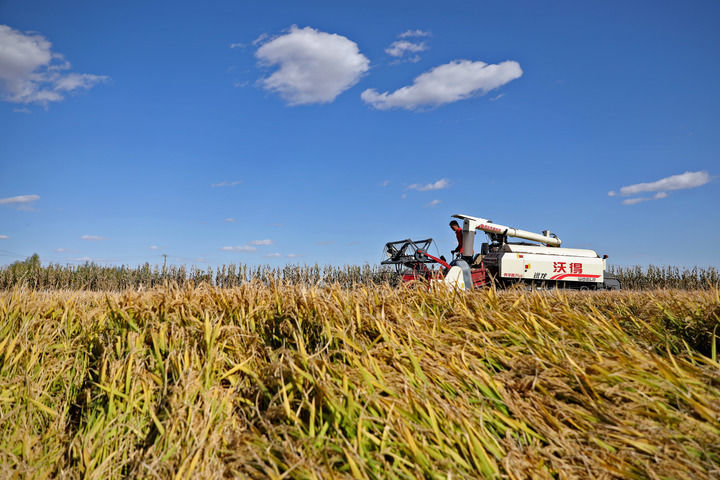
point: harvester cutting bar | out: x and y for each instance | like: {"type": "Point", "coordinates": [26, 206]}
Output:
{"type": "Point", "coordinates": [406, 251]}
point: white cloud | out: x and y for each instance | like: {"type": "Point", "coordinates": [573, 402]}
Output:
{"type": "Point", "coordinates": [385, 183]}
{"type": "Point", "coordinates": [225, 184]}
{"type": "Point", "coordinates": [294, 255]}
{"type": "Point", "coordinates": [633, 201]}
{"type": "Point", "coordinates": [439, 185]}
{"type": "Point", "coordinates": [93, 238]}
{"type": "Point", "coordinates": [675, 182]}
{"type": "Point", "coordinates": [238, 45]}
{"type": "Point", "coordinates": [433, 203]}
{"type": "Point", "coordinates": [314, 66]}
{"type": "Point", "coordinates": [260, 39]}
{"type": "Point", "coordinates": [451, 82]}
{"type": "Point", "coordinates": [400, 47]}
{"type": "Point", "coordinates": [73, 81]}
{"type": "Point", "coordinates": [18, 200]}
{"type": "Point", "coordinates": [249, 247]}
{"type": "Point", "coordinates": [4, 237]}
{"type": "Point", "coordinates": [31, 73]}
{"type": "Point", "coordinates": [266, 241]}
{"type": "Point", "coordinates": [413, 59]}
{"type": "Point", "coordinates": [273, 255]}
{"type": "Point", "coordinates": [22, 110]}
{"type": "Point", "coordinates": [661, 187]}
{"type": "Point", "coordinates": [154, 247]}
{"type": "Point", "coordinates": [240, 248]}
{"type": "Point", "coordinates": [414, 33]}
{"type": "Point", "coordinates": [230, 220]}
{"type": "Point", "coordinates": [59, 250]}
{"type": "Point", "coordinates": [497, 97]}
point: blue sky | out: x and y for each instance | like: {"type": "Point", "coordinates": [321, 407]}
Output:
{"type": "Point", "coordinates": [289, 132]}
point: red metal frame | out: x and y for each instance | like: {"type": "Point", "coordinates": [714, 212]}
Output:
{"type": "Point", "coordinates": [438, 260]}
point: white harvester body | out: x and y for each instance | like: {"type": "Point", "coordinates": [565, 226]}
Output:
{"type": "Point", "coordinates": [529, 262]}
{"type": "Point", "coordinates": [546, 263]}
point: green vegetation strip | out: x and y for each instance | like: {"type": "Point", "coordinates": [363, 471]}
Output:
{"type": "Point", "coordinates": [89, 276]}
{"type": "Point", "coordinates": [289, 381]}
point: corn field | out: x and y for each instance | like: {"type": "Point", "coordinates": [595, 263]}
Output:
{"type": "Point", "coordinates": [284, 380]}
{"type": "Point", "coordinates": [109, 278]}
{"type": "Point", "coordinates": [639, 278]}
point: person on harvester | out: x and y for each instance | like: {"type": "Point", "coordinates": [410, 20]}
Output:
{"type": "Point", "coordinates": [458, 233]}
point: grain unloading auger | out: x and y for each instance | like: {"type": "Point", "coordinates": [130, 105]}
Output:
{"type": "Point", "coordinates": [544, 264]}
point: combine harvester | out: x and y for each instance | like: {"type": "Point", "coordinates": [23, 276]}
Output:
{"type": "Point", "coordinates": [543, 265]}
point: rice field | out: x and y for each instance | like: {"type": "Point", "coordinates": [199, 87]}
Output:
{"type": "Point", "coordinates": [281, 380]}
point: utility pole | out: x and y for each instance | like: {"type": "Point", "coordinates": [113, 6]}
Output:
{"type": "Point", "coordinates": [164, 261]}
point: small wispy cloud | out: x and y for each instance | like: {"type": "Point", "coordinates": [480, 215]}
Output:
{"type": "Point", "coordinates": [273, 255]}
{"type": "Point", "coordinates": [294, 255]}
{"type": "Point", "coordinates": [60, 250]}
{"type": "Point", "coordinates": [401, 47]}
{"type": "Point", "coordinates": [225, 184]}
{"type": "Point", "coordinates": [405, 50]}
{"type": "Point", "coordinates": [266, 241]}
{"type": "Point", "coordinates": [385, 183]}
{"type": "Point", "coordinates": [683, 181]}
{"type": "Point", "coordinates": [250, 246]}
{"type": "Point", "coordinates": [4, 237]}
{"type": "Point", "coordinates": [439, 185]}
{"type": "Point", "coordinates": [433, 203]}
{"type": "Point", "coordinates": [230, 220]}
{"type": "Point", "coordinates": [260, 39]}
{"type": "Point", "coordinates": [324, 243]}
{"type": "Point", "coordinates": [93, 238]}
{"type": "Point", "coordinates": [240, 248]}
{"type": "Point", "coordinates": [414, 33]}
{"type": "Point", "coordinates": [238, 45]}
{"type": "Point", "coordinates": [21, 110]}
{"type": "Point", "coordinates": [154, 247]}
{"type": "Point", "coordinates": [21, 202]}
{"type": "Point", "coordinates": [633, 201]}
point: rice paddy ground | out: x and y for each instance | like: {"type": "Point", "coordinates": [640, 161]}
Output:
{"type": "Point", "coordinates": [291, 381]}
